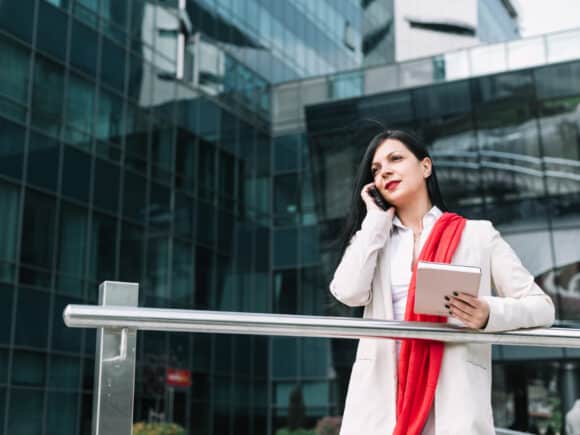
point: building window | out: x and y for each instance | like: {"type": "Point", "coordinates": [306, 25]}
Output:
{"type": "Point", "coordinates": [448, 26]}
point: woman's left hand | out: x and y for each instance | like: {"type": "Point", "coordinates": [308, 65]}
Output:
{"type": "Point", "coordinates": [473, 312]}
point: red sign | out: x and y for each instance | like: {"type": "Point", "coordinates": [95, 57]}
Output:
{"type": "Point", "coordinates": [178, 378]}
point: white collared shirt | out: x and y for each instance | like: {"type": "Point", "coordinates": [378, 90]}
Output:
{"type": "Point", "coordinates": [401, 258]}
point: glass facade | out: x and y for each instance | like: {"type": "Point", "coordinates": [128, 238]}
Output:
{"type": "Point", "coordinates": [497, 21]}
{"type": "Point", "coordinates": [286, 40]}
{"type": "Point", "coordinates": [289, 40]}
{"type": "Point", "coordinates": [113, 168]}
{"type": "Point", "coordinates": [137, 144]}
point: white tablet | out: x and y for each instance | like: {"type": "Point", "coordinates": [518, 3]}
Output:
{"type": "Point", "coordinates": [437, 280]}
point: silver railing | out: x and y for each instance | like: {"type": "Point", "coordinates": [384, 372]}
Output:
{"type": "Point", "coordinates": [118, 319]}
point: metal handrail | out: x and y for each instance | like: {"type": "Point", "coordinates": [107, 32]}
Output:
{"type": "Point", "coordinates": [159, 319]}
{"type": "Point", "coordinates": [502, 431]}
{"type": "Point", "coordinates": [118, 319]}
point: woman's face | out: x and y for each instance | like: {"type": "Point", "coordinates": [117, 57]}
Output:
{"type": "Point", "coordinates": [398, 174]}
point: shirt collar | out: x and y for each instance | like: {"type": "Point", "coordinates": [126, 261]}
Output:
{"type": "Point", "coordinates": [428, 219]}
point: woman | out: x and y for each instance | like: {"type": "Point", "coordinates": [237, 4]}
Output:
{"type": "Point", "coordinates": [414, 386]}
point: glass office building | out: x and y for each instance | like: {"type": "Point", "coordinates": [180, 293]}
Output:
{"type": "Point", "coordinates": [136, 145]}
{"type": "Point", "coordinates": [286, 40]}
{"type": "Point", "coordinates": [506, 147]}
{"type": "Point", "coordinates": [113, 168]}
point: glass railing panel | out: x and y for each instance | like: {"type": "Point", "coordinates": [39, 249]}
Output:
{"type": "Point", "coordinates": [286, 102]}
{"type": "Point", "coordinates": [563, 46]}
{"type": "Point", "coordinates": [488, 59]}
{"type": "Point", "coordinates": [381, 79]}
{"type": "Point", "coordinates": [526, 53]}
{"type": "Point", "coordinates": [417, 72]}
{"type": "Point", "coordinates": [456, 65]}
{"type": "Point", "coordinates": [313, 91]}
{"type": "Point", "coordinates": [346, 85]}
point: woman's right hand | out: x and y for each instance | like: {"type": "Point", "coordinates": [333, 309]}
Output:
{"type": "Point", "coordinates": [370, 201]}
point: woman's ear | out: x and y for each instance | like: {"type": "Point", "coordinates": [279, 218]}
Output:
{"type": "Point", "coordinates": [426, 164]}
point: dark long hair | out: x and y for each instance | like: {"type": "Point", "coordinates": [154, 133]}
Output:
{"type": "Point", "coordinates": [357, 210]}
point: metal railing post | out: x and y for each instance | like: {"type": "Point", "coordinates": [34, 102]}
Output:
{"type": "Point", "coordinates": [114, 388]}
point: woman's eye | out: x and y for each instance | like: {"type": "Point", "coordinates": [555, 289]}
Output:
{"type": "Point", "coordinates": [396, 158]}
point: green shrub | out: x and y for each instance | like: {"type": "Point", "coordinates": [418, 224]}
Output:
{"type": "Point", "coordinates": [142, 428]}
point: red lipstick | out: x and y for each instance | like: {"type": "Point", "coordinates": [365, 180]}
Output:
{"type": "Point", "coordinates": [392, 185]}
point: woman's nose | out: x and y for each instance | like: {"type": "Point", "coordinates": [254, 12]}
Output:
{"type": "Point", "coordinates": [386, 171]}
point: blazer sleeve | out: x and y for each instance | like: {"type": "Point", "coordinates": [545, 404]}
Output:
{"type": "Point", "coordinates": [351, 283]}
{"type": "Point", "coordinates": [520, 303]}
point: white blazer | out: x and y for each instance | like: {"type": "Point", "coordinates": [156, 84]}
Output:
{"type": "Point", "coordinates": [462, 402]}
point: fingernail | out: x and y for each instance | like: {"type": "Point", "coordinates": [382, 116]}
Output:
{"type": "Point", "coordinates": [446, 306]}
{"type": "Point", "coordinates": [447, 298]}
{"type": "Point", "coordinates": [456, 294]}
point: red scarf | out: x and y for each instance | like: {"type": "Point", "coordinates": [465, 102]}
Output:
{"type": "Point", "coordinates": [420, 360]}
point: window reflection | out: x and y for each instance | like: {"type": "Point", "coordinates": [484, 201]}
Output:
{"type": "Point", "coordinates": [43, 161]}
{"type": "Point", "coordinates": [9, 198]}
{"type": "Point", "coordinates": [51, 30]}
{"type": "Point", "coordinates": [7, 294]}
{"type": "Point", "coordinates": [183, 215]}
{"type": "Point", "coordinates": [560, 135]}
{"type": "Point", "coordinates": [113, 64]}
{"type": "Point", "coordinates": [185, 161]}
{"type": "Point", "coordinates": [286, 199]}
{"type": "Point", "coordinates": [560, 80]}
{"type": "Point", "coordinates": [284, 361]}
{"type": "Point", "coordinates": [15, 18]}
{"type": "Point", "coordinates": [62, 411]}
{"type": "Point", "coordinates": [206, 225]}
{"type": "Point", "coordinates": [134, 196]}
{"type": "Point", "coordinates": [309, 246]}
{"type": "Point", "coordinates": [32, 304]}
{"type": "Point", "coordinates": [285, 247]}
{"type": "Point", "coordinates": [109, 123]}
{"type": "Point", "coordinates": [453, 147]}
{"type": "Point", "coordinates": [510, 151]}
{"type": "Point", "coordinates": [227, 179]}
{"type": "Point", "coordinates": [38, 230]}
{"type": "Point", "coordinates": [106, 186]}
{"type": "Point", "coordinates": [80, 111]}
{"type": "Point", "coordinates": [102, 249]}
{"type": "Point", "coordinates": [285, 288]}
{"type": "Point", "coordinates": [131, 255]}
{"type": "Point", "coordinates": [14, 70]}
{"type": "Point", "coordinates": [157, 270]}
{"type": "Point", "coordinates": [64, 338]}
{"type": "Point", "coordinates": [527, 397]}
{"type": "Point", "coordinates": [182, 275]}
{"type": "Point", "coordinates": [225, 232]}
{"type": "Point", "coordinates": [206, 170]}
{"type": "Point", "coordinates": [72, 249]}
{"type": "Point", "coordinates": [83, 48]}
{"type": "Point", "coordinates": [286, 155]}
{"type": "Point", "coordinates": [47, 96]}
{"type": "Point", "coordinates": [162, 149]}
{"type": "Point", "coordinates": [136, 137]}
{"type": "Point", "coordinates": [204, 277]}
{"type": "Point", "coordinates": [159, 207]}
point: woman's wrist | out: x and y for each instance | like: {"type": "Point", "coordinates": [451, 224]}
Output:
{"type": "Point", "coordinates": [485, 323]}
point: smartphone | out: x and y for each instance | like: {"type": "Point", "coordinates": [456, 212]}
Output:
{"type": "Point", "coordinates": [378, 197]}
